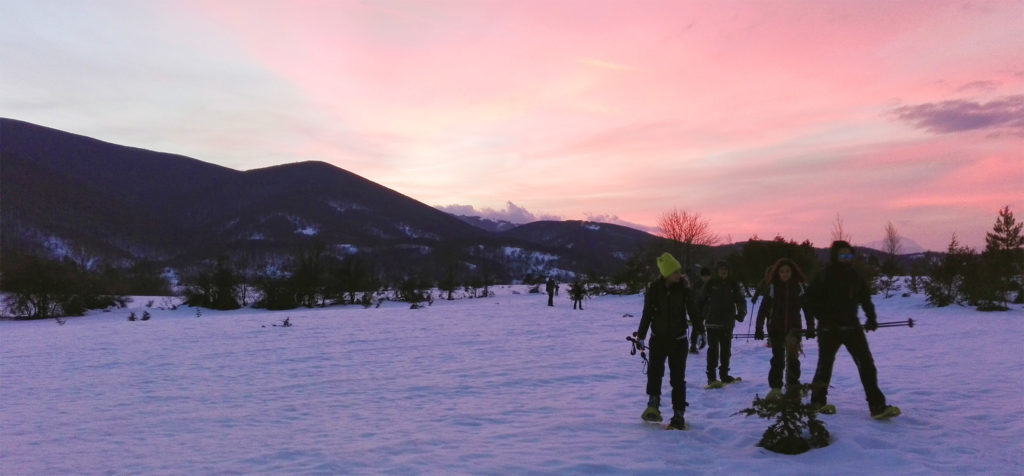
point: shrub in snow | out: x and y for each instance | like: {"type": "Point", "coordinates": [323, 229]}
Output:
{"type": "Point", "coordinates": [797, 428]}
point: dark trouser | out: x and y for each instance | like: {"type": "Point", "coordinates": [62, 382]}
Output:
{"type": "Point", "coordinates": [857, 345]}
{"type": "Point", "coordinates": [578, 302]}
{"type": "Point", "coordinates": [675, 352]}
{"type": "Point", "coordinates": [719, 351]}
{"type": "Point", "coordinates": [551, 299]}
{"type": "Point", "coordinates": [785, 353]}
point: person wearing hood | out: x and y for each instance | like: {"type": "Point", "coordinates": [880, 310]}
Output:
{"type": "Point", "coordinates": [784, 298]}
{"type": "Point", "coordinates": [722, 304]}
{"type": "Point", "coordinates": [666, 307]}
{"type": "Point", "coordinates": [834, 299]}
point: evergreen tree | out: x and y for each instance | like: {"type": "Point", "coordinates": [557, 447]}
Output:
{"type": "Point", "coordinates": [1001, 262]}
{"type": "Point", "coordinates": [947, 277]}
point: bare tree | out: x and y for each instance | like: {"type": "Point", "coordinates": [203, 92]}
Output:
{"type": "Point", "coordinates": [838, 233]}
{"type": "Point", "coordinates": [689, 230]}
{"type": "Point", "coordinates": [892, 244]}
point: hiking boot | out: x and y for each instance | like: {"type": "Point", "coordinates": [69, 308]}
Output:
{"type": "Point", "coordinates": [774, 393]}
{"type": "Point", "coordinates": [727, 379]}
{"type": "Point", "coordinates": [677, 422]}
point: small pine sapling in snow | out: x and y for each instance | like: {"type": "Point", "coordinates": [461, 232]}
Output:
{"type": "Point", "coordinates": [131, 317]}
{"type": "Point", "coordinates": [146, 315]}
{"type": "Point", "coordinates": [797, 428]}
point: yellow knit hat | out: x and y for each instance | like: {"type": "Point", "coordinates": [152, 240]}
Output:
{"type": "Point", "coordinates": [668, 264]}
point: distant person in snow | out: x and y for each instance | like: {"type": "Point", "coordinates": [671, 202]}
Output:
{"type": "Point", "coordinates": [833, 299]}
{"type": "Point", "coordinates": [705, 276]}
{"type": "Point", "coordinates": [784, 298]}
{"type": "Point", "coordinates": [722, 304]}
{"type": "Point", "coordinates": [551, 287]}
{"type": "Point", "coordinates": [577, 292]}
{"type": "Point", "coordinates": [667, 304]}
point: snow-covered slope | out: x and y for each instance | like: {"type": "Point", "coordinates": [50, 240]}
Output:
{"type": "Point", "coordinates": [503, 385]}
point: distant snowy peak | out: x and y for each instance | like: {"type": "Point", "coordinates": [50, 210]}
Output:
{"type": "Point", "coordinates": [486, 223]}
{"type": "Point", "coordinates": [907, 246]}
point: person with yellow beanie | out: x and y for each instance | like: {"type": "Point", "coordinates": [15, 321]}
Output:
{"type": "Point", "coordinates": [667, 306]}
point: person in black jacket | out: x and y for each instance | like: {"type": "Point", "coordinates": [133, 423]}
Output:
{"type": "Point", "coordinates": [550, 288]}
{"type": "Point", "coordinates": [833, 298]}
{"type": "Point", "coordinates": [722, 304]}
{"type": "Point", "coordinates": [665, 313]}
{"type": "Point", "coordinates": [784, 298]}
{"type": "Point", "coordinates": [698, 290]}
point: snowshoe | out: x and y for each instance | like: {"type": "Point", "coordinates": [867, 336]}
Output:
{"type": "Point", "coordinates": [651, 414]}
{"type": "Point", "coordinates": [714, 384]}
{"type": "Point", "coordinates": [774, 394]}
{"type": "Point", "coordinates": [728, 379]}
{"type": "Point", "coordinates": [886, 413]}
{"type": "Point", "coordinates": [825, 409]}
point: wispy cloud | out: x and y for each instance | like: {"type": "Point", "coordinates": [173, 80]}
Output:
{"type": "Point", "coordinates": [960, 115]}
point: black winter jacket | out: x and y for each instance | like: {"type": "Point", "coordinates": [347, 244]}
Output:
{"type": "Point", "coordinates": [835, 294]}
{"type": "Point", "coordinates": [722, 303]}
{"type": "Point", "coordinates": [666, 307]}
{"type": "Point", "coordinates": [781, 308]}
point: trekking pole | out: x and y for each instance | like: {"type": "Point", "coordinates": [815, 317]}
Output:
{"type": "Point", "coordinates": [743, 336]}
{"type": "Point", "coordinates": [637, 345]}
{"type": "Point", "coordinates": [906, 323]}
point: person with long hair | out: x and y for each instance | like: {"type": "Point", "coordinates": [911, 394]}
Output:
{"type": "Point", "coordinates": [784, 300]}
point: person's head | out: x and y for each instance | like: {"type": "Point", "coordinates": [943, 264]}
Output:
{"type": "Point", "coordinates": [669, 267]}
{"type": "Point", "coordinates": [842, 253]}
{"type": "Point", "coordinates": [785, 269]}
{"type": "Point", "coordinates": [722, 269]}
{"type": "Point", "coordinates": [705, 274]}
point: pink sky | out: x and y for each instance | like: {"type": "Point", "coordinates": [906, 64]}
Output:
{"type": "Point", "coordinates": [765, 117]}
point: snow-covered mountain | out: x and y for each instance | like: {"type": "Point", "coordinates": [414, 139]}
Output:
{"type": "Point", "coordinates": [68, 192]}
{"type": "Point", "coordinates": [907, 246]}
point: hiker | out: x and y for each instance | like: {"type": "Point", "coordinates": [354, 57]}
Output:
{"type": "Point", "coordinates": [705, 276]}
{"type": "Point", "coordinates": [722, 304]}
{"type": "Point", "coordinates": [784, 298]}
{"type": "Point", "coordinates": [577, 292]}
{"type": "Point", "coordinates": [550, 288]}
{"type": "Point", "coordinates": [833, 299]}
{"type": "Point", "coordinates": [667, 305]}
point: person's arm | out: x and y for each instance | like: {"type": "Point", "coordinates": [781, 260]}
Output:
{"type": "Point", "coordinates": [645, 317]}
{"type": "Point", "coordinates": [869, 308]}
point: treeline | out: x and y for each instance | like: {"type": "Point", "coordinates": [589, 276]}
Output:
{"type": "Point", "coordinates": [37, 288]}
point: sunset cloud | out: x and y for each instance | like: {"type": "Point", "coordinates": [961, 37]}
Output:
{"type": "Point", "coordinates": [958, 115]}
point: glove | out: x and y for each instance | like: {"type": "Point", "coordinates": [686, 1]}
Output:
{"type": "Point", "coordinates": [810, 333]}
{"type": "Point", "coordinates": [871, 325]}
{"type": "Point", "coordinates": [702, 341]}
{"type": "Point", "coordinates": [759, 334]}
